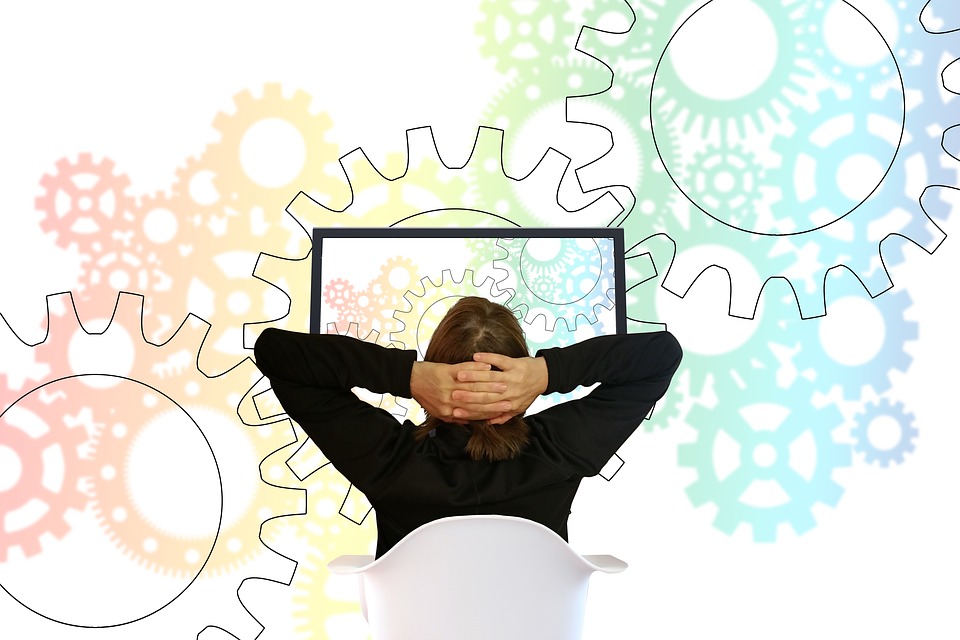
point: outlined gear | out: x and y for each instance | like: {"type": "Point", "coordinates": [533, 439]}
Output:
{"type": "Point", "coordinates": [870, 415]}
{"type": "Point", "coordinates": [783, 252]}
{"type": "Point", "coordinates": [85, 203]}
{"type": "Point", "coordinates": [443, 195]}
{"type": "Point", "coordinates": [749, 348]}
{"type": "Point", "coordinates": [558, 279]}
{"type": "Point", "coordinates": [765, 458]}
{"type": "Point", "coordinates": [104, 367]}
{"type": "Point", "coordinates": [532, 113]}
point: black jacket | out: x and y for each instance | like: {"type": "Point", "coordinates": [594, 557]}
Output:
{"type": "Point", "coordinates": [410, 483]}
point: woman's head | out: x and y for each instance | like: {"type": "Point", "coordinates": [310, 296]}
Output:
{"type": "Point", "coordinates": [475, 325]}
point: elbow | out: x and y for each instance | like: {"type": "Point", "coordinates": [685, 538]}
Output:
{"type": "Point", "coordinates": [265, 348]}
{"type": "Point", "coordinates": [671, 353]}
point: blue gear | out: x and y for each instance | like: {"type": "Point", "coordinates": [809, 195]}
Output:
{"type": "Point", "coordinates": [875, 372]}
{"type": "Point", "coordinates": [908, 432]}
{"type": "Point", "coordinates": [729, 492]}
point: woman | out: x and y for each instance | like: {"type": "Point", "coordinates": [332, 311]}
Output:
{"type": "Point", "coordinates": [476, 453]}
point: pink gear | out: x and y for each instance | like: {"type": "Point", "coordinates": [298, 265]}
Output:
{"type": "Point", "coordinates": [85, 203]}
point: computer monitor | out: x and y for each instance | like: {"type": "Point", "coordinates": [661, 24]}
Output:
{"type": "Point", "coordinates": [392, 286]}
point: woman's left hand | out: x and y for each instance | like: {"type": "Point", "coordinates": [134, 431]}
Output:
{"type": "Point", "coordinates": [433, 384]}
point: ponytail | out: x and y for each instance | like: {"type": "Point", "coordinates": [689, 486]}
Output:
{"type": "Point", "coordinates": [487, 442]}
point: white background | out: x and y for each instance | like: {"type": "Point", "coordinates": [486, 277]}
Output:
{"type": "Point", "coordinates": [140, 83]}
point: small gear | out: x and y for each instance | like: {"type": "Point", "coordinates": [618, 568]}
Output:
{"type": "Point", "coordinates": [85, 203]}
{"type": "Point", "coordinates": [582, 278]}
{"type": "Point", "coordinates": [832, 23]}
{"type": "Point", "coordinates": [884, 410]}
{"type": "Point", "coordinates": [727, 182]}
{"type": "Point", "coordinates": [750, 466]}
{"type": "Point", "coordinates": [523, 36]}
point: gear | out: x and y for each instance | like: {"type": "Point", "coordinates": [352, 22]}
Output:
{"type": "Point", "coordinates": [85, 203]}
{"type": "Point", "coordinates": [26, 450]}
{"type": "Point", "coordinates": [798, 250]}
{"type": "Point", "coordinates": [727, 182]}
{"type": "Point", "coordinates": [747, 349]}
{"type": "Point", "coordinates": [577, 276]}
{"type": "Point", "coordinates": [853, 371]}
{"type": "Point", "coordinates": [523, 36]}
{"type": "Point", "coordinates": [122, 389]}
{"type": "Point", "coordinates": [760, 479]}
{"type": "Point", "coordinates": [293, 136]}
{"type": "Point", "coordinates": [529, 108]}
{"type": "Point", "coordinates": [868, 417]}
{"type": "Point", "coordinates": [829, 25]}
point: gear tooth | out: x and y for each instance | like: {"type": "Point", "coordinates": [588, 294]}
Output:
{"type": "Point", "coordinates": [951, 136]}
{"type": "Point", "coordinates": [421, 145]}
{"type": "Point", "coordinates": [488, 148]}
{"type": "Point", "coordinates": [220, 122]}
{"type": "Point", "coordinates": [802, 522]}
{"type": "Point", "coordinates": [728, 523]}
{"type": "Point", "coordinates": [243, 99]}
{"type": "Point", "coordinates": [359, 170]}
{"type": "Point", "coordinates": [128, 311]}
{"type": "Point", "coordinates": [63, 165]}
{"type": "Point", "coordinates": [272, 90]}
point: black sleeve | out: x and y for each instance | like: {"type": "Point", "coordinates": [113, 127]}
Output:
{"type": "Point", "coordinates": [312, 376]}
{"type": "Point", "coordinates": [633, 372]}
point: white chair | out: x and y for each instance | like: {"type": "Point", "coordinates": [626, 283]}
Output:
{"type": "Point", "coordinates": [476, 577]}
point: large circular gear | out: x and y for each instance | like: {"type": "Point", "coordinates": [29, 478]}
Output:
{"type": "Point", "coordinates": [752, 469]}
{"type": "Point", "coordinates": [91, 376]}
{"type": "Point", "coordinates": [85, 203]}
{"type": "Point", "coordinates": [779, 246]}
{"type": "Point", "coordinates": [872, 417]}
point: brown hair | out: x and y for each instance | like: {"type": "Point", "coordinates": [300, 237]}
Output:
{"type": "Point", "coordinates": [472, 325]}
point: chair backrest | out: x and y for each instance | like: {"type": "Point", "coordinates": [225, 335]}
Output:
{"type": "Point", "coordinates": [473, 577]}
